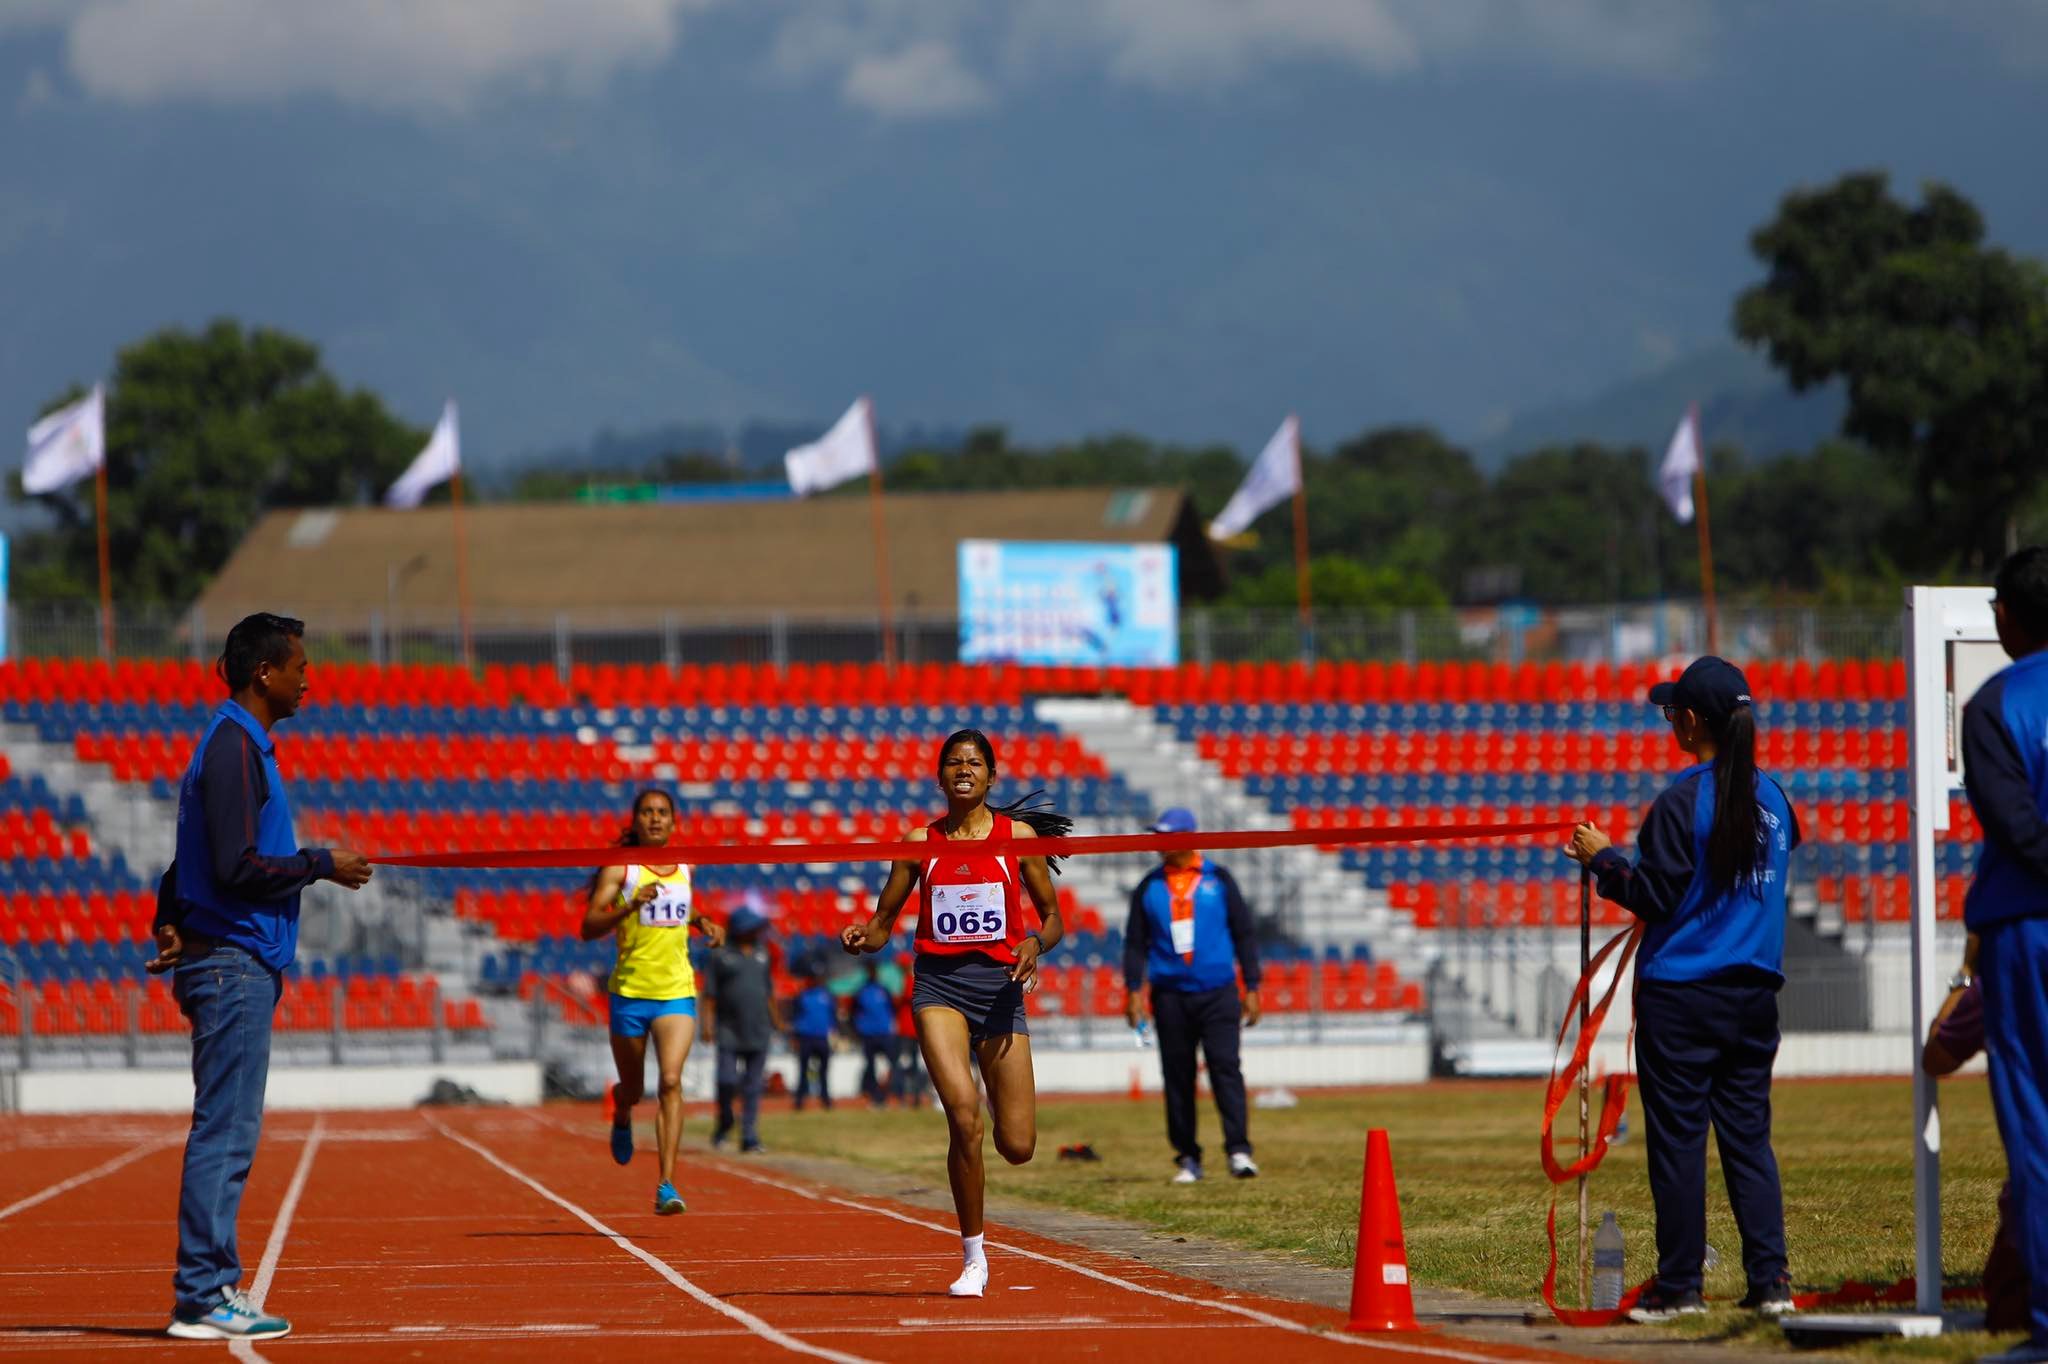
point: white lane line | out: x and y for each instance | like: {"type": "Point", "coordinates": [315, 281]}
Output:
{"type": "Point", "coordinates": [40, 1344]}
{"type": "Point", "coordinates": [1250, 1313]}
{"type": "Point", "coordinates": [273, 1249]}
{"type": "Point", "coordinates": [1253, 1313]}
{"type": "Point", "coordinates": [87, 1177]}
{"type": "Point", "coordinates": [653, 1262]}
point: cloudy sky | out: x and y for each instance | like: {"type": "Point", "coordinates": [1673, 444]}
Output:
{"type": "Point", "coordinates": [1183, 217]}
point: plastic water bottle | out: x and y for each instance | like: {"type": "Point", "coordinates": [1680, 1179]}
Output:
{"type": "Point", "coordinates": [1144, 1032]}
{"type": "Point", "coordinates": [1607, 1264]}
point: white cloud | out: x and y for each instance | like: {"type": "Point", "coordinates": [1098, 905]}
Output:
{"type": "Point", "coordinates": [895, 58]}
{"type": "Point", "coordinates": [923, 79]}
{"type": "Point", "coordinates": [1169, 42]}
{"type": "Point", "coordinates": [406, 54]}
{"type": "Point", "coordinates": [1172, 44]}
{"type": "Point", "coordinates": [892, 58]}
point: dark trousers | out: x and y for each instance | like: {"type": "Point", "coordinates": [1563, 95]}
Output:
{"type": "Point", "coordinates": [907, 1076]}
{"type": "Point", "coordinates": [741, 1074]}
{"type": "Point", "coordinates": [229, 997]}
{"type": "Point", "coordinates": [1209, 1019]}
{"type": "Point", "coordinates": [1703, 1056]}
{"type": "Point", "coordinates": [874, 1052]}
{"type": "Point", "coordinates": [812, 1054]}
{"type": "Point", "coordinates": [2012, 959]}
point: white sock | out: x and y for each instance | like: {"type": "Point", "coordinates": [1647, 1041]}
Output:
{"type": "Point", "coordinates": [971, 1252]}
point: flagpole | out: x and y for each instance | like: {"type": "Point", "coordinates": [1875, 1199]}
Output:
{"type": "Point", "coordinates": [881, 544]}
{"type": "Point", "coordinates": [99, 484]}
{"type": "Point", "coordinates": [1699, 497]}
{"type": "Point", "coordinates": [1301, 575]}
{"type": "Point", "coordinates": [461, 570]}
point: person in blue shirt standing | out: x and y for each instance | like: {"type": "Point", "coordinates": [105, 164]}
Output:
{"type": "Point", "coordinates": [227, 926]}
{"type": "Point", "coordinates": [2005, 772]}
{"type": "Point", "coordinates": [1191, 932]}
{"type": "Point", "coordinates": [810, 1026]}
{"type": "Point", "coordinates": [1709, 881]}
{"type": "Point", "coordinates": [874, 1023]}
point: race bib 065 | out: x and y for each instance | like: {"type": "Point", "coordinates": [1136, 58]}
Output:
{"type": "Point", "coordinates": [968, 913]}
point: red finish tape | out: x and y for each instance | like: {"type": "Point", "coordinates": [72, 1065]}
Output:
{"type": "Point", "coordinates": [762, 854]}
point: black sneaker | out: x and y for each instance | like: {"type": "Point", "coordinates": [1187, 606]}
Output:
{"type": "Point", "coordinates": [1773, 1299]}
{"type": "Point", "coordinates": [1660, 1304]}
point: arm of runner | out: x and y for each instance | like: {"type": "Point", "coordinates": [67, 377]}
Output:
{"type": "Point", "coordinates": [873, 935]}
{"type": "Point", "coordinates": [604, 912]}
{"type": "Point", "coordinates": [1038, 881]}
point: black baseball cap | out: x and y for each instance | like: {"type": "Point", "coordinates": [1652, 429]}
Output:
{"type": "Point", "coordinates": [1710, 686]}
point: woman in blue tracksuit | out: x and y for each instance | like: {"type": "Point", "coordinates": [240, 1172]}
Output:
{"type": "Point", "coordinates": [1709, 881]}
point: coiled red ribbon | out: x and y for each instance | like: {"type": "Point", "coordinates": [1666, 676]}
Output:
{"type": "Point", "coordinates": [1613, 1103]}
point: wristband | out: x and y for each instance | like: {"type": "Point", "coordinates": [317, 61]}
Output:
{"type": "Point", "coordinates": [1040, 941]}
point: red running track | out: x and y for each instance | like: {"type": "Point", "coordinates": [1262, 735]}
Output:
{"type": "Point", "coordinates": [507, 1234]}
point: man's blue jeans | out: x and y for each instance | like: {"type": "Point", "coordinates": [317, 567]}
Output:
{"type": "Point", "coordinates": [229, 997]}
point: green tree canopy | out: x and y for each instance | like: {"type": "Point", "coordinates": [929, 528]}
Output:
{"type": "Point", "coordinates": [204, 433]}
{"type": "Point", "coordinates": [1941, 340]}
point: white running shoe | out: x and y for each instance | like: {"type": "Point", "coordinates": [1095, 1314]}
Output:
{"type": "Point", "coordinates": [1190, 1172]}
{"type": "Point", "coordinates": [973, 1281]}
{"type": "Point", "coordinates": [1242, 1165]}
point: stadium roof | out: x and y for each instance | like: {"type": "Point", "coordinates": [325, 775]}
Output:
{"type": "Point", "coordinates": [637, 561]}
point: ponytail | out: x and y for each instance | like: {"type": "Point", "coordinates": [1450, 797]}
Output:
{"type": "Point", "coordinates": [1734, 846]}
{"type": "Point", "coordinates": [1037, 810]}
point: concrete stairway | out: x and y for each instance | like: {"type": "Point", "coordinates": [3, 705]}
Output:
{"type": "Point", "coordinates": [1307, 893]}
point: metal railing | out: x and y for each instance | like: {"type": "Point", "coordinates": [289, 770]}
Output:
{"type": "Point", "coordinates": [1619, 633]}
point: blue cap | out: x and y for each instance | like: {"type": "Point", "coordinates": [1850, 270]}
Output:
{"type": "Point", "coordinates": [1178, 820]}
{"type": "Point", "coordinates": [1710, 686]}
{"type": "Point", "coordinates": [745, 919]}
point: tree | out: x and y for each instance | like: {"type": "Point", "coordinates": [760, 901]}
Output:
{"type": "Point", "coordinates": [1338, 582]}
{"type": "Point", "coordinates": [1401, 497]}
{"type": "Point", "coordinates": [205, 433]}
{"type": "Point", "coordinates": [1941, 341]}
{"type": "Point", "coordinates": [1581, 523]}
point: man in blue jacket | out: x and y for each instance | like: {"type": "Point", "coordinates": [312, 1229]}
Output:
{"type": "Point", "coordinates": [874, 1023]}
{"type": "Point", "coordinates": [2005, 771]}
{"type": "Point", "coordinates": [227, 925]}
{"type": "Point", "coordinates": [1190, 930]}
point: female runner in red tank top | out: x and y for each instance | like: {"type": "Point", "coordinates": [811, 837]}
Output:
{"type": "Point", "coordinates": [976, 957]}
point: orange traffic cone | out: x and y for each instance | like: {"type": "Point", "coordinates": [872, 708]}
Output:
{"type": "Point", "coordinates": [1137, 1086]}
{"type": "Point", "coordinates": [1380, 1300]}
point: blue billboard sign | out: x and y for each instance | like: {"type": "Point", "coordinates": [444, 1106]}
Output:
{"type": "Point", "coordinates": [1033, 601]}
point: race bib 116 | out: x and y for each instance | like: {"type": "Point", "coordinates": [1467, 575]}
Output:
{"type": "Point", "coordinates": [670, 908]}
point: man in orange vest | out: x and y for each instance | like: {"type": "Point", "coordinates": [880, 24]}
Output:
{"type": "Point", "coordinates": [1192, 933]}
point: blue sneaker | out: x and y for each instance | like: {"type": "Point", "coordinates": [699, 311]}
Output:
{"type": "Point", "coordinates": [667, 1201]}
{"type": "Point", "coordinates": [235, 1318]}
{"type": "Point", "coordinates": [622, 1144]}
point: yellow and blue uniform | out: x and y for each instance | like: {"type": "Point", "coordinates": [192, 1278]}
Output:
{"type": "Point", "coordinates": [653, 978]}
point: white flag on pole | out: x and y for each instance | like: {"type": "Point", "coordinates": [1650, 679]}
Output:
{"type": "Point", "coordinates": [846, 451]}
{"type": "Point", "coordinates": [440, 461]}
{"type": "Point", "coordinates": [1681, 462]}
{"type": "Point", "coordinates": [67, 445]}
{"type": "Point", "coordinates": [1274, 477]}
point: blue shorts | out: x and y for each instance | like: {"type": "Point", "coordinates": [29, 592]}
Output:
{"type": "Point", "coordinates": [975, 986]}
{"type": "Point", "coordinates": [632, 1017]}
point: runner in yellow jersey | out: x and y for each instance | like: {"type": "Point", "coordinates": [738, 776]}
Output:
{"type": "Point", "coordinates": [653, 990]}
